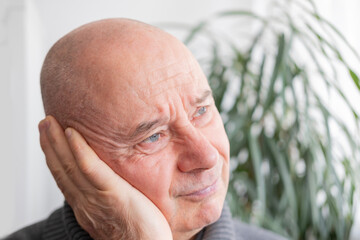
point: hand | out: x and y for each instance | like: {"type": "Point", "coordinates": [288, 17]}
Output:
{"type": "Point", "coordinates": [105, 205]}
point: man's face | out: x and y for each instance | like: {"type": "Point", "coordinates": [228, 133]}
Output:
{"type": "Point", "coordinates": [160, 130]}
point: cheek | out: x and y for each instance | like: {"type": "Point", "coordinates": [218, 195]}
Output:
{"type": "Point", "coordinates": [218, 138]}
{"type": "Point", "coordinates": [151, 175]}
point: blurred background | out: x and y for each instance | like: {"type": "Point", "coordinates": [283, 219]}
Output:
{"type": "Point", "coordinates": [28, 28]}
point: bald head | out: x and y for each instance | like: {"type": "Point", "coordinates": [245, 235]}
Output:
{"type": "Point", "coordinates": [92, 77]}
{"type": "Point", "coordinates": [76, 70]}
{"type": "Point", "coordinates": [143, 104]}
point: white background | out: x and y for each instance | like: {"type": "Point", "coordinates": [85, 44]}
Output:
{"type": "Point", "coordinates": [28, 28]}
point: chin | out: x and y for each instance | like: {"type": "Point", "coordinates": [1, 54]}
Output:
{"type": "Point", "coordinates": [197, 218]}
{"type": "Point", "coordinates": [194, 216]}
{"type": "Point", "coordinates": [203, 214]}
{"type": "Point", "coordinates": [210, 212]}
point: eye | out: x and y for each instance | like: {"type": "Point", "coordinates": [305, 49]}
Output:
{"type": "Point", "coordinates": [154, 143]}
{"type": "Point", "coordinates": [202, 116]}
{"type": "Point", "coordinates": [153, 138]}
{"type": "Point", "coordinates": [200, 112]}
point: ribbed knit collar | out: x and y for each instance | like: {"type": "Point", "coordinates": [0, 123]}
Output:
{"type": "Point", "coordinates": [73, 229]}
{"type": "Point", "coordinates": [222, 229]}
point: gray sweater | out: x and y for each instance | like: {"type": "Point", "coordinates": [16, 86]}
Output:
{"type": "Point", "coordinates": [62, 225]}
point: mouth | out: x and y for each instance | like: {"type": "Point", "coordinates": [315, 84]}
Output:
{"type": "Point", "coordinates": [202, 193]}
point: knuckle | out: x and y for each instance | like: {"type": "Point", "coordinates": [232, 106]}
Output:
{"type": "Point", "coordinates": [69, 169]}
{"type": "Point", "coordinates": [87, 169]}
{"type": "Point", "coordinates": [76, 147]}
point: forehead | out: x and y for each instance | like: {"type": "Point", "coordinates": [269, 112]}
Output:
{"type": "Point", "coordinates": [141, 86]}
{"type": "Point", "coordinates": [182, 75]}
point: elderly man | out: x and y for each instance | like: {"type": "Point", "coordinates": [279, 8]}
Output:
{"type": "Point", "coordinates": [144, 154]}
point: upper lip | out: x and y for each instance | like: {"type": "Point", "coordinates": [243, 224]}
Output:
{"type": "Point", "coordinates": [198, 184]}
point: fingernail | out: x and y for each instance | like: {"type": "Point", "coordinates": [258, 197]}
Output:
{"type": "Point", "coordinates": [68, 132]}
{"type": "Point", "coordinates": [44, 125]}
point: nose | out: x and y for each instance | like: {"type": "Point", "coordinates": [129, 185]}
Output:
{"type": "Point", "coordinates": [197, 153]}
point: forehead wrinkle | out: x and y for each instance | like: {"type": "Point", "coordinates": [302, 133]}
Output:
{"type": "Point", "coordinates": [174, 84]}
{"type": "Point", "coordinates": [164, 85]}
{"type": "Point", "coordinates": [169, 71]}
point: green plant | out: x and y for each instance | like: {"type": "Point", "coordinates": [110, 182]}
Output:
{"type": "Point", "coordinates": [289, 171]}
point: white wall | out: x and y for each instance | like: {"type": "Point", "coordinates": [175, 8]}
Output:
{"type": "Point", "coordinates": [27, 30]}
{"type": "Point", "coordinates": [13, 115]}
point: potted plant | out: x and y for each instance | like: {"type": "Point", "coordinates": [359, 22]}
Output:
{"type": "Point", "coordinates": [294, 161]}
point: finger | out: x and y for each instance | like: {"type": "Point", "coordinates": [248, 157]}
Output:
{"type": "Point", "coordinates": [63, 182]}
{"type": "Point", "coordinates": [63, 155]}
{"type": "Point", "coordinates": [97, 171]}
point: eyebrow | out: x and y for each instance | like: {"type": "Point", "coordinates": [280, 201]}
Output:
{"type": "Point", "coordinates": [203, 97]}
{"type": "Point", "coordinates": [144, 127]}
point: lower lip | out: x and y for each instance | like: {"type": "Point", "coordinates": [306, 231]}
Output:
{"type": "Point", "coordinates": [202, 194]}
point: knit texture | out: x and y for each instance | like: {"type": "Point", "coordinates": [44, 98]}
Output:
{"type": "Point", "coordinates": [62, 225]}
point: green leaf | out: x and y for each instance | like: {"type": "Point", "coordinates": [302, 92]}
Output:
{"type": "Point", "coordinates": [355, 78]}
{"type": "Point", "coordinates": [255, 152]}
{"type": "Point", "coordinates": [288, 183]}
{"type": "Point", "coordinates": [194, 32]}
{"type": "Point", "coordinates": [279, 58]}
